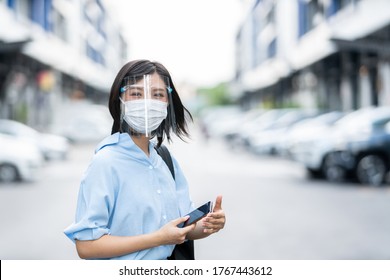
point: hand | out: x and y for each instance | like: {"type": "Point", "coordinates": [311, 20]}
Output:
{"type": "Point", "coordinates": [215, 220]}
{"type": "Point", "coordinates": [171, 234]}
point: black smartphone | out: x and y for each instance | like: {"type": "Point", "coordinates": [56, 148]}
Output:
{"type": "Point", "coordinates": [197, 214]}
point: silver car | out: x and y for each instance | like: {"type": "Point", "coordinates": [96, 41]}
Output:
{"type": "Point", "coordinates": [20, 160]}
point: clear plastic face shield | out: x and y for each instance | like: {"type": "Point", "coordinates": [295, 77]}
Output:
{"type": "Point", "coordinates": [145, 101]}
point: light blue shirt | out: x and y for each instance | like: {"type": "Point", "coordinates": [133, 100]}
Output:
{"type": "Point", "coordinates": [126, 193]}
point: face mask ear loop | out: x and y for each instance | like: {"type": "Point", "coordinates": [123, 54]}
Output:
{"type": "Point", "coordinates": [122, 113]}
{"type": "Point", "coordinates": [172, 118]}
{"type": "Point", "coordinates": [146, 95]}
{"type": "Point", "coordinates": [122, 90]}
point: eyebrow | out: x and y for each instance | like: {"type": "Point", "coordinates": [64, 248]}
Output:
{"type": "Point", "coordinates": [134, 86]}
{"type": "Point", "coordinates": [159, 88]}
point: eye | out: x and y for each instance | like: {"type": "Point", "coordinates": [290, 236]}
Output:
{"type": "Point", "coordinates": [159, 94]}
{"type": "Point", "coordinates": [134, 93]}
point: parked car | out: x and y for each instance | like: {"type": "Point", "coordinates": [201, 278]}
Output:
{"type": "Point", "coordinates": [365, 152]}
{"type": "Point", "coordinates": [20, 160]}
{"type": "Point", "coordinates": [231, 135]}
{"type": "Point", "coordinates": [270, 140]}
{"type": "Point", "coordinates": [304, 131]}
{"type": "Point", "coordinates": [51, 146]}
{"type": "Point", "coordinates": [259, 123]}
{"type": "Point", "coordinates": [355, 145]}
{"type": "Point", "coordinates": [82, 122]}
{"type": "Point", "coordinates": [216, 122]}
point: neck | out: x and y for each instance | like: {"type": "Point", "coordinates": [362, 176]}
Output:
{"type": "Point", "coordinates": [142, 142]}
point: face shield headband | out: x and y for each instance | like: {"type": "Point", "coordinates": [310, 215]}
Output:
{"type": "Point", "coordinates": [147, 107]}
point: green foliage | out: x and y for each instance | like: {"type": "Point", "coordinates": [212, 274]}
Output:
{"type": "Point", "coordinates": [214, 96]}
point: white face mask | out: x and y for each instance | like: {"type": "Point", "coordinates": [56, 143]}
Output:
{"type": "Point", "coordinates": [144, 115]}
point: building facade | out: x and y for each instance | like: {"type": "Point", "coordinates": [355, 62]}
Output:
{"type": "Point", "coordinates": [328, 54]}
{"type": "Point", "coordinates": [55, 50]}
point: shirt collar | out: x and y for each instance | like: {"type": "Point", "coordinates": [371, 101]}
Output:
{"type": "Point", "coordinates": [127, 145]}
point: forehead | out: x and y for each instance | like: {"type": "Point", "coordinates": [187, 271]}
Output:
{"type": "Point", "coordinates": [153, 79]}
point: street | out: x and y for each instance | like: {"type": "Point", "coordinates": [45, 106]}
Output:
{"type": "Point", "coordinates": [273, 211]}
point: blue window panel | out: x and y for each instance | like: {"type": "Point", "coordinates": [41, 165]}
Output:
{"type": "Point", "coordinates": [48, 9]}
{"type": "Point", "coordinates": [11, 4]}
{"type": "Point", "coordinates": [302, 15]}
{"type": "Point", "coordinates": [40, 13]}
{"type": "Point", "coordinates": [333, 8]}
{"type": "Point", "coordinates": [271, 51]}
{"type": "Point", "coordinates": [37, 12]}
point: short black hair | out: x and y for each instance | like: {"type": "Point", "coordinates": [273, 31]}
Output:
{"type": "Point", "coordinates": [145, 67]}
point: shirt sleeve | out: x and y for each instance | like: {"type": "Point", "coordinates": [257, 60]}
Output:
{"type": "Point", "coordinates": [95, 202]}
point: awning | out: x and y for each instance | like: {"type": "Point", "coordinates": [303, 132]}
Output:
{"type": "Point", "coordinates": [51, 51]}
{"type": "Point", "coordinates": [362, 19]}
{"type": "Point", "coordinates": [312, 47]}
{"type": "Point", "coordinates": [266, 74]}
{"type": "Point", "coordinates": [6, 47]}
{"type": "Point", "coordinates": [342, 31]}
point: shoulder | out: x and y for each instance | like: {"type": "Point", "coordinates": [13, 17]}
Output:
{"type": "Point", "coordinates": [103, 156]}
{"type": "Point", "coordinates": [108, 141]}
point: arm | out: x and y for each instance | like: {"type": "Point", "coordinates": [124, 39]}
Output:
{"type": "Point", "coordinates": [109, 246]}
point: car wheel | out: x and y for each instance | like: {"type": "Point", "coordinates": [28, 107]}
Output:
{"type": "Point", "coordinates": [371, 169]}
{"type": "Point", "coordinates": [314, 173]}
{"type": "Point", "coordinates": [332, 171]}
{"type": "Point", "coordinates": [8, 173]}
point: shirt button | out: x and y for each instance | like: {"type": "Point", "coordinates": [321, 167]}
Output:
{"type": "Point", "coordinates": [164, 217]}
{"type": "Point", "coordinates": [150, 167]}
{"type": "Point", "coordinates": [158, 191]}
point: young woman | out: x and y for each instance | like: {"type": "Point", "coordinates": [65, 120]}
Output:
{"type": "Point", "coordinates": [129, 205]}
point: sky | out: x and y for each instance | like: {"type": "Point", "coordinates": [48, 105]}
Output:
{"type": "Point", "coordinates": [194, 39]}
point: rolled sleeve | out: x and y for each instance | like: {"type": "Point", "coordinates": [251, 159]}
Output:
{"type": "Point", "coordinates": [85, 232]}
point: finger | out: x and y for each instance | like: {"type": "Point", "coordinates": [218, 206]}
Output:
{"type": "Point", "coordinates": [189, 228]}
{"type": "Point", "coordinates": [214, 225]}
{"type": "Point", "coordinates": [216, 215]}
{"type": "Point", "coordinates": [218, 203]}
{"type": "Point", "coordinates": [180, 220]}
{"type": "Point", "coordinates": [210, 231]}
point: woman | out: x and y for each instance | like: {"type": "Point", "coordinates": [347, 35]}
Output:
{"type": "Point", "coordinates": [129, 205]}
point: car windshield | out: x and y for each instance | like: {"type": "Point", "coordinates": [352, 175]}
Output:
{"type": "Point", "coordinates": [363, 118]}
{"type": "Point", "coordinates": [17, 129]}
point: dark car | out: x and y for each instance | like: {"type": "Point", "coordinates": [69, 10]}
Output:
{"type": "Point", "coordinates": [364, 151]}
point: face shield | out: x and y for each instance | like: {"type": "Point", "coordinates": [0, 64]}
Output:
{"type": "Point", "coordinates": [145, 101]}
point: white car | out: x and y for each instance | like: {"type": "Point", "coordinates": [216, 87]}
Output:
{"type": "Point", "coordinates": [308, 132]}
{"type": "Point", "coordinates": [20, 160]}
{"type": "Point", "coordinates": [51, 146]}
{"type": "Point", "coordinates": [319, 151]}
{"type": "Point", "coordinates": [82, 122]}
{"type": "Point", "coordinates": [270, 140]}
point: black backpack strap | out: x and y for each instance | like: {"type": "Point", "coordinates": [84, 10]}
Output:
{"type": "Point", "coordinates": [166, 156]}
{"type": "Point", "coordinates": [184, 251]}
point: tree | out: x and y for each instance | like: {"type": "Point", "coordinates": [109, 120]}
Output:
{"type": "Point", "coordinates": [217, 95]}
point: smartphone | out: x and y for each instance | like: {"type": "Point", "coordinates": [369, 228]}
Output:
{"type": "Point", "coordinates": [198, 214]}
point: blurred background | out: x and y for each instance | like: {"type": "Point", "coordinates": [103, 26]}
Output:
{"type": "Point", "coordinates": [291, 106]}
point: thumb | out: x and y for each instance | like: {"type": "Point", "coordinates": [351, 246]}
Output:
{"type": "Point", "coordinates": [180, 221]}
{"type": "Point", "coordinates": [218, 203]}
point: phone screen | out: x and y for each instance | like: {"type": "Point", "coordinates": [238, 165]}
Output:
{"type": "Point", "coordinates": [197, 214]}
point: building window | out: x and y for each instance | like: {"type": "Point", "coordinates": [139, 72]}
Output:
{"type": "Point", "coordinates": [59, 25]}
{"type": "Point", "coordinates": [23, 8]}
{"type": "Point", "coordinates": [311, 14]}
{"type": "Point", "coordinates": [40, 13]}
{"type": "Point", "coordinates": [336, 5]}
{"type": "Point", "coordinates": [94, 55]}
{"type": "Point", "coordinates": [271, 50]}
